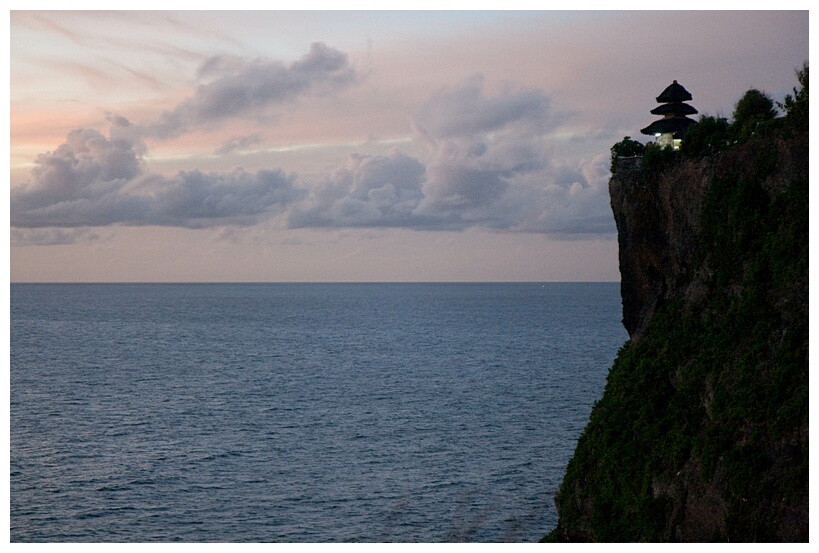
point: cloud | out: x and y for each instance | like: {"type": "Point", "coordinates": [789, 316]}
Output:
{"type": "Point", "coordinates": [249, 88]}
{"type": "Point", "coordinates": [369, 191]}
{"type": "Point", "coordinates": [238, 143]}
{"type": "Point", "coordinates": [88, 165]}
{"type": "Point", "coordinates": [464, 111]}
{"type": "Point", "coordinates": [482, 146]}
{"type": "Point", "coordinates": [52, 236]}
{"type": "Point", "coordinates": [564, 202]}
{"type": "Point", "coordinates": [488, 164]}
{"type": "Point", "coordinates": [91, 180]}
{"type": "Point", "coordinates": [195, 199]}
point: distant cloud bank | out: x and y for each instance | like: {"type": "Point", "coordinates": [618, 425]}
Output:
{"type": "Point", "coordinates": [488, 165]}
{"type": "Point", "coordinates": [92, 180]}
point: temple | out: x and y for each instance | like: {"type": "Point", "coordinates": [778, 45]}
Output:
{"type": "Point", "coordinates": [670, 129]}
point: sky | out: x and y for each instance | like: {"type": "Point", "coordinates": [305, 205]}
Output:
{"type": "Point", "coordinates": [316, 146]}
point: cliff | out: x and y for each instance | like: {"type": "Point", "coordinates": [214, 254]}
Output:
{"type": "Point", "coordinates": [702, 431]}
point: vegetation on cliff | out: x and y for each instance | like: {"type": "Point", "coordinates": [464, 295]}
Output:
{"type": "Point", "coordinates": [702, 431]}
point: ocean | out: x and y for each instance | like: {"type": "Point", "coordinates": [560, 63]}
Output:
{"type": "Point", "coordinates": [300, 412]}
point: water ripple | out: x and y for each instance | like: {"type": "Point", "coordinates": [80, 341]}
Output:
{"type": "Point", "coordinates": [299, 413]}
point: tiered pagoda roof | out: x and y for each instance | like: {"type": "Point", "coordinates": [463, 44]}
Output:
{"type": "Point", "coordinates": [674, 111]}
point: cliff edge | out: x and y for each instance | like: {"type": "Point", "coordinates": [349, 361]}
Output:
{"type": "Point", "coordinates": [702, 431]}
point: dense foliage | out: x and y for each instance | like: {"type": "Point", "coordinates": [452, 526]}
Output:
{"type": "Point", "coordinates": [713, 399]}
{"type": "Point", "coordinates": [796, 105]}
{"type": "Point", "coordinates": [755, 108]}
{"type": "Point", "coordinates": [625, 148]}
{"type": "Point", "coordinates": [707, 137]}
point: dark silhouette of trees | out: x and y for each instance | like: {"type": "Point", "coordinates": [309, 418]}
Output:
{"type": "Point", "coordinates": [709, 136]}
{"type": "Point", "coordinates": [752, 110]}
{"type": "Point", "coordinates": [796, 106]}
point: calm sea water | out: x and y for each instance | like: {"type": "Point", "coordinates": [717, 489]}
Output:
{"type": "Point", "coordinates": [299, 412]}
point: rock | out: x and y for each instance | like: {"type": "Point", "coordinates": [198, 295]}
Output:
{"type": "Point", "coordinates": [702, 431]}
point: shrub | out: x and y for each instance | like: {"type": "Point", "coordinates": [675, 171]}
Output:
{"type": "Point", "coordinates": [657, 159]}
{"type": "Point", "coordinates": [707, 137]}
{"type": "Point", "coordinates": [625, 148]}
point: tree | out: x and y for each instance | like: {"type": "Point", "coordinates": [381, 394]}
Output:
{"type": "Point", "coordinates": [753, 109]}
{"type": "Point", "coordinates": [707, 137]}
{"type": "Point", "coordinates": [625, 148]}
{"type": "Point", "coordinates": [796, 106]}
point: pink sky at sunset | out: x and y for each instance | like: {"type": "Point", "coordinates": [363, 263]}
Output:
{"type": "Point", "coordinates": [350, 146]}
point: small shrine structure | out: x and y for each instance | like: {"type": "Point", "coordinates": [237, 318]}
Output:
{"type": "Point", "coordinates": [669, 130]}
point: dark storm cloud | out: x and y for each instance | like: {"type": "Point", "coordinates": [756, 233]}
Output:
{"type": "Point", "coordinates": [91, 180]}
{"type": "Point", "coordinates": [250, 87]}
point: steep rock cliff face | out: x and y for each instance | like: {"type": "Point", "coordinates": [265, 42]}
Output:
{"type": "Point", "coordinates": [702, 431]}
{"type": "Point", "coordinates": [657, 219]}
